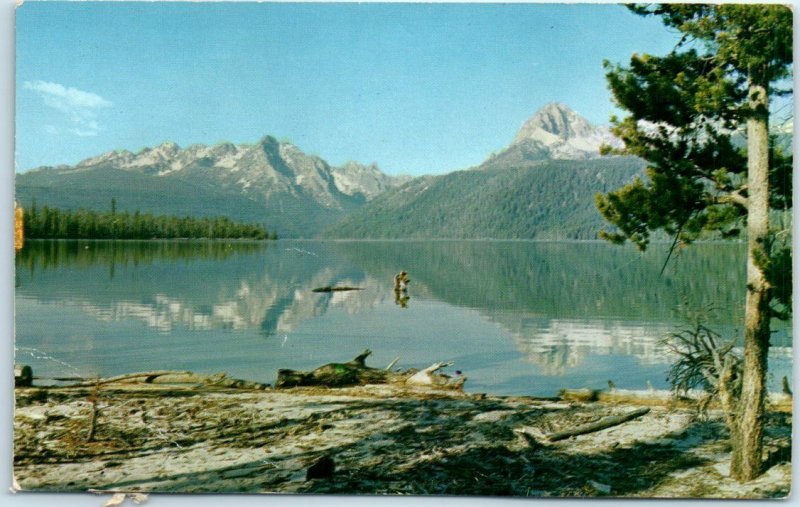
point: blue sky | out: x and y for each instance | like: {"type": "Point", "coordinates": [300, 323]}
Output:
{"type": "Point", "coordinates": [417, 88]}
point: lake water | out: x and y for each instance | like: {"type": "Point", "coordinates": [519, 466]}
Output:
{"type": "Point", "coordinates": [515, 317]}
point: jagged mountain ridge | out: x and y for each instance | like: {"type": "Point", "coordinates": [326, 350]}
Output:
{"type": "Point", "coordinates": [270, 182]}
{"type": "Point", "coordinates": [540, 186]}
{"type": "Point", "coordinates": [268, 167]}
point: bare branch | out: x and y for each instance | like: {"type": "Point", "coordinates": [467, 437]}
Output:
{"type": "Point", "coordinates": [734, 197]}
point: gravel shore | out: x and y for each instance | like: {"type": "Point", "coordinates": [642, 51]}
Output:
{"type": "Point", "coordinates": [374, 440]}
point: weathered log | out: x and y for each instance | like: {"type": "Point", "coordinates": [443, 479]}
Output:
{"type": "Point", "coordinates": [394, 362]}
{"type": "Point", "coordinates": [141, 377]}
{"type": "Point", "coordinates": [221, 380]}
{"type": "Point", "coordinates": [23, 375]}
{"type": "Point", "coordinates": [429, 377]}
{"type": "Point", "coordinates": [579, 394]}
{"type": "Point", "coordinates": [217, 379]}
{"type": "Point", "coordinates": [176, 377]}
{"type": "Point", "coordinates": [334, 289]}
{"type": "Point", "coordinates": [352, 373]}
{"type": "Point", "coordinates": [606, 422]}
{"type": "Point", "coordinates": [356, 372]}
{"type": "Point", "coordinates": [63, 379]}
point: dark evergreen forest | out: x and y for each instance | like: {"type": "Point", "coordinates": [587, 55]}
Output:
{"type": "Point", "coordinates": [54, 223]}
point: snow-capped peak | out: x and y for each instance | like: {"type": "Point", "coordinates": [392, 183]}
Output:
{"type": "Point", "coordinates": [564, 133]}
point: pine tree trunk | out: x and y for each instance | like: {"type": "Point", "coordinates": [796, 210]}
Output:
{"type": "Point", "coordinates": [746, 438]}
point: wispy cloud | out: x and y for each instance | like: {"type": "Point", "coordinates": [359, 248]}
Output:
{"type": "Point", "coordinates": [79, 106]}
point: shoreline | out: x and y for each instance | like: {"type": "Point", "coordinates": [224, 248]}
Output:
{"type": "Point", "coordinates": [380, 439]}
{"type": "Point", "coordinates": [386, 240]}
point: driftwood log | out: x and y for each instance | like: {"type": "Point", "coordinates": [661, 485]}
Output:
{"type": "Point", "coordinates": [356, 372]}
{"type": "Point", "coordinates": [328, 288]}
{"type": "Point", "coordinates": [579, 394]}
{"type": "Point", "coordinates": [606, 422]}
{"type": "Point", "coordinates": [168, 377]}
{"type": "Point", "coordinates": [535, 437]}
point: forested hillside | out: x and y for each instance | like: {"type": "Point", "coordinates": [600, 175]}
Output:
{"type": "Point", "coordinates": [549, 199]}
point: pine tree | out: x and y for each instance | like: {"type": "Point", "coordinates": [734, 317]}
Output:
{"type": "Point", "coordinates": [685, 109]}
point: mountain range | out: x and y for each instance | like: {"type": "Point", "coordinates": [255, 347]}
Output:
{"type": "Point", "coordinates": [268, 182]}
{"type": "Point", "coordinates": [541, 185]}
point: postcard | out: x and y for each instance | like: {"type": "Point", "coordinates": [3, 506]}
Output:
{"type": "Point", "coordinates": [526, 250]}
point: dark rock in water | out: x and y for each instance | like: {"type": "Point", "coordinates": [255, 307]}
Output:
{"type": "Point", "coordinates": [323, 468]}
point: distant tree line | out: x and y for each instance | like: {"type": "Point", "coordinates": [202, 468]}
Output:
{"type": "Point", "coordinates": [53, 223]}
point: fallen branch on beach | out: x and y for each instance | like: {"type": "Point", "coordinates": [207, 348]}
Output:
{"type": "Point", "coordinates": [535, 437]}
{"type": "Point", "coordinates": [146, 377]}
{"type": "Point", "coordinates": [166, 377]}
{"type": "Point", "coordinates": [356, 372]}
{"type": "Point", "coordinates": [606, 422]}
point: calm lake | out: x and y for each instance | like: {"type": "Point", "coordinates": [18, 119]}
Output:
{"type": "Point", "coordinates": [515, 317]}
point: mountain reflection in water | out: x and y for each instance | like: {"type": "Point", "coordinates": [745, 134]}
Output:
{"type": "Point", "coordinates": [517, 317]}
